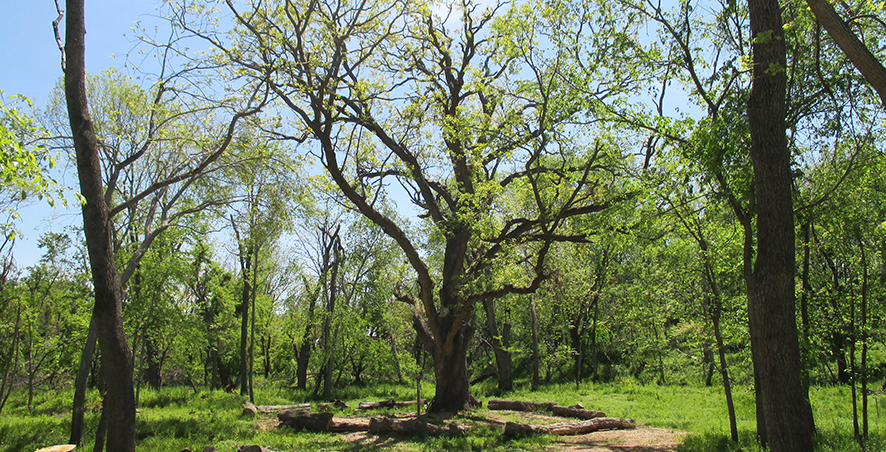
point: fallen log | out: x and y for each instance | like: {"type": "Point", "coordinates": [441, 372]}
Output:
{"type": "Point", "coordinates": [519, 405]}
{"type": "Point", "coordinates": [59, 448]}
{"type": "Point", "coordinates": [570, 411]}
{"type": "Point", "coordinates": [334, 404]}
{"type": "Point", "coordinates": [268, 409]}
{"type": "Point", "coordinates": [384, 425]}
{"type": "Point", "coordinates": [347, 426]}
{"type": "Point", "coordinates": [390, 403]}
{"type": "Point", "coordinates": [568, 428]}
{"type": "Point", "coordinates": [250, 409]}
{"type": "Point", "coordinates": [318, 422]}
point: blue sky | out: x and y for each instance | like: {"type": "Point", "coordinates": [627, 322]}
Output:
{"type": "Point", "coordinates": [30, 65]}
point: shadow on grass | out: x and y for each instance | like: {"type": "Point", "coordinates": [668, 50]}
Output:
{"type": "Point", "coordinates": [828, 441]}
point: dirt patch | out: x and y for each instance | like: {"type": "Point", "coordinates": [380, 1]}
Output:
{"type": "Point", "coordinates": [641, 439]}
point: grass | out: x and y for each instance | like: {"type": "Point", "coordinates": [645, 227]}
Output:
{"type": "Point", "coordinates": [177, 418]}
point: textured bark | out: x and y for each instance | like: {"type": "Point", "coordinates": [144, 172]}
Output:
{"type": "Point", "coordinates": [318, 422]}
{"type": "Point", "coordinates": [771, 302]}
{"type": "Point", "coordinates": [519, 405]}
{"type": "Point", "coordinates": [390, 403]}
{"type": "Point", "coordinates": [384, 425]}
{"type": "Point", "coordinates": [80, 384]}
{"type": "Point", "coordinates": [568, 411]}
{"type": "Point", "coordinates": [451, 372]}
{"type": "Point", "coordinates": [535, 357]}
{"type": "Point", "coordinates": [860, 56]}
{"type": "Point", "coordinates": [500, 342]}
{"type": "Point", "coordinates": [568, 428]}
{"type": "Point", "coordinates": [119, 405]}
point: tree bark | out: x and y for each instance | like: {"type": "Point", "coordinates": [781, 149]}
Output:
{"type": "Point", "coordinates": [860, 56]}
{"type": "Point", "coordinates": [534, 343]}
{"type": "Point", "coordinates": [451, 372]}
{"type": "Point", "coordinates": [519, 405]}
{"type": "Point", "coordinates": [567, 411]}
{"type": "Point", "coordinates": [78, 409]}
{"type": "Point", "coordinates": [384, 425]}
{"type": "Point", "coordinates": [777, 354]}
{"type": "Point", "coordinates": [116, 355]}
{"type": "Point", "coordinates": [318, 422]}
{"type": "Point", "coordinates": [568, 428]}
{"type": "Point", "coordinates": [390, 403]}
{"type": "Point", "coordinates": [500, 341]}
{"type": "Point", "coordinates": [331, 291]}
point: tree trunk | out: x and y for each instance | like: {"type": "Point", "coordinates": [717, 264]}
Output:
{"type": "Point", "coordinates": [331, 291]}
{"type": "Point", "coordinates": [252, 323]}
{"type": "Point", "coordinates": [500, 341]}
{"type": "Point", "coordinates": [777, 355]}
{"type": "Point", "coordinates": [153, 363]}
{"type": "Point", "coordinates": [266, 345]}
{"type": "Point", "coordinates": [451, 372]}
{"type": "Point", "coordinates": [116, 356]}
{"type": "Point", "coordinates": [860, 56]}
{"type": "Point", "coordinates": [80, 385]}
{"type": "Point", "coordinates": [864, 340]}
{"type": "Point", "coordinates": [534, 343]}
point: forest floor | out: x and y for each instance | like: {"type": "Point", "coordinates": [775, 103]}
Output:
{"type": "Point", "coordinates": [641, 439]}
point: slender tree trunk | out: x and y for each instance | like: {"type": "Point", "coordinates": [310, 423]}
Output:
{"type": "Point", "coordinates": [252, 325]}
{"type": "Point", "coordinates": [595, 376]}
{"type": "Point", "coordinates": [854, 371]}
{"type": "Point", "coordinates": [116, 364]}
{"type": "Point", "coordinates": [245, 251]}
{"type": "Point", "coordinates": [864, 340]}
{"type": "Point", "coordinates": [80, 385]}
{"type": "Point", "coordinates": [267, 354]}
{"type": "Point", "coordinates": [332, 293]}
{"type": "Point", "coordinates": [777, 356]}
{"type": "Point", "coordinates": [498, 340]}
{"type": "Point", "coordinates": [153, 363]}
{"type": "Point", "coordinates": [10, 368]}
{"type": "Point", "coordinates": [534, 343]}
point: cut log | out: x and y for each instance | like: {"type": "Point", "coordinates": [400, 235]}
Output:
{"type": "Point", "coordinates": [390, 403]}
{"type": "Point", "coordinates": [318, 422]}
{"type": "Point", "coordinates": [328, 406]}
{"type": "Point", "coordinates": [384, 425]}
{"type": "Point", "coordinates": [348, 426]}
{"type": "Point", "coordinates": [249, 408]}
{"type": "Point", "coordinates": [59, 448]}
{"type": "Point", "coordinates": [568, 428]}
{"type": "Point", "coordinates": [268, 409]}
{"type": "Point", "coordinates": [569, 411]}
{"type": "Point", "coordinates": [519, 405]}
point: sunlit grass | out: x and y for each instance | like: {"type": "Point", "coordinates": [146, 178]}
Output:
{"type": "Point", "coordinates": [177, 418]}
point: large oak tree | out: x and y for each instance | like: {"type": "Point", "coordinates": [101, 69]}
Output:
{"type": "Point", "coordinates": [459, 112]}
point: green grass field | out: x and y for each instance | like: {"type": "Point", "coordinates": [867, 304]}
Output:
{"type": "Point", "coordinates": [177, 418]}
